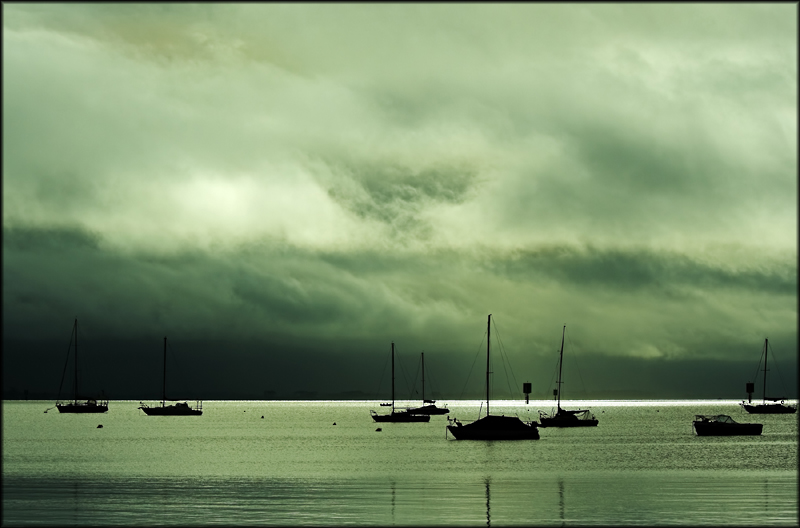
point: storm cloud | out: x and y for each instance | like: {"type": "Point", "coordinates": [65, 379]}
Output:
{"type": "Point", "coordinates": [286, 189]}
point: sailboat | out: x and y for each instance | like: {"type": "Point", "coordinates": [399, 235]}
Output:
{"type": "Point", "coordinates": [563, 417]}
{"type": "Point", "coordinates": [395, 415]}
{"type": "Point", "coordinates": [75, 406]}
{"type": "Point", "coordinates": [428, 406]}
{"type": "Point", "coordinates": [493, 427]}
{"type": "Point", "coordinates": [178, 408]}
{"type": "Point", "coordinates": [767, 405]}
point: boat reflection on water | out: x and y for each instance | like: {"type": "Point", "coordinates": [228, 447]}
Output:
{"type": "Point", "coordinates": [487, 481]}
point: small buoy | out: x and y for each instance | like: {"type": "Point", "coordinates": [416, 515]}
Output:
{"type": "Point", "coordinates": [262, 416]}
{"type": "Point", "coordinates": [100, 426]}
{"type": "Point", "coordinates": [379, 429]}
{"type": "Point", "coordinates": [334, 423]}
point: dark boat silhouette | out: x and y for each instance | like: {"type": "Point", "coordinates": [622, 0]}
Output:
{"type": "Point", "coordinates": [395, 415]}
{"type": "Point", "coordinates": [179, 408]}
{"type": "Point", "coordinates": [76, 406]}
{"type": "Point", "coordinates": [563, 417]}
{"type": "Point", "coordinates": [493, 427]}
{"type": "Point", "coordinates": [767, 405]}
{"type": "Point", "coordinates": [431, 408]}
{"type": "Point", "coordinates": [723, 425]}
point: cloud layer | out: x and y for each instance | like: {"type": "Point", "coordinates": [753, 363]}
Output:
{"type": "Point", "coordinates": [293, 176]}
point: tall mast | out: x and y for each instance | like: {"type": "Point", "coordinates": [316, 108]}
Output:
{"type": "Point", "coordinates": [488, 340]}
{"type": "Point", "coordinates": [76, 360]}
{"type": "Point", "coordinates": [392, 376]}
{"type": "Point", "coordinates": [423, 378]}
{"type": "Point", "coordinates": [560, 364]}
{"type": "Point", "coordinates": [766, 347]}
{"type": "Point", "coordinates": [164, 384]}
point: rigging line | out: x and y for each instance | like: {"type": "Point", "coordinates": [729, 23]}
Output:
{"type": "Point", "coordinates": [178, 365]}
{"type": "Point", "coordinates": [430, 384]}
{"type": "Point", "coordinates": [552, 378]}
{"type": "Point", "coordinates": [504, 356]}
{"type": "Point", "coordinates": [778, 370]}
{"type": "Point", "coordinates": [503, 361]}
{"type": "Point", "coordinates": [64, 373]}
{"type": "Point", "coordinates": [91, 371]}
{"type": "Point", "coordinates": [480, 346]}
{"type": "Point", "coordinates": [380, 380]}
{"type": "Point", "coordinates": [577, 368]}
{"type": "Point", "coordinates": [402, 371]}
{"type": "Point", "coordinates": [416, 377]}
{"type": "Point", "coordinates": [758, 368]}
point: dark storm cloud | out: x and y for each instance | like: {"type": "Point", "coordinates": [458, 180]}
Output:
{"type": "Point", "coordinates": [644, 269]}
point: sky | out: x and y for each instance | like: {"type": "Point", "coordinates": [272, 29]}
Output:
{"type": "Point", "coordinates": [283, 190]}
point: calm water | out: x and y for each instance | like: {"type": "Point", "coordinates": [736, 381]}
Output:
{"type": "Point", "coordinates": [641, 466]}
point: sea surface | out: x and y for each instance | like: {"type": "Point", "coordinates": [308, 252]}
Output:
{"type": "Point", "coordinates": [288, 463]}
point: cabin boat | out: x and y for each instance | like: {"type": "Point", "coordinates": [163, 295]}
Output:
{"type": "Point", "coordinates": [723, 425]}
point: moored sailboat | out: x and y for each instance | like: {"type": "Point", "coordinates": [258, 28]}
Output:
{"type": "Point", "coordinates": [395, 415]}
{"type": "Point", "coordinates": [76, 406]}
{"type": "Point", "coordinates": [493, 427]}
{"type": "Point", "coordinates": [178, 408]}
{"type": "Point", "coordinates": [563, 417]}
{"type": "Point", "coordinates": [428, 406]}
{"type": "Point", "coordinates": [767, 405]}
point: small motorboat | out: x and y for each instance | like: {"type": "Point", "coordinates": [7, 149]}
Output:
{"type": "Point", "coordinates": [723, 425]}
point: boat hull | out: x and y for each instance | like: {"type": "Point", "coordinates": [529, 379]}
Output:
{"type": "Point", "coordinates": [769, 408]}
{"type": "Point", "coordinates": [558, 422]}
{"type": "Point", "coordinates": [401, 417]}
{"type": "Point", "coordinates": [171, 410]}
{"type": "Point", "coordinates": [82, 408]}
{"type": "Point", "coordinates": [495, 428]}
{"type": "Point", "coordinates": [430, 410]}
{"type": "Point", "coordinates": [723, 429]}
{"type": "Point", "coordinates": [567, 418]}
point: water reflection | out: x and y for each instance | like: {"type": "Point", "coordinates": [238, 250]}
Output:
{"type": "Point", "coordinates": [486, 481]}
{"type": "Point", "coordinates": [392, 485]}
{"type": "Point", "coordinates": [594, 499]}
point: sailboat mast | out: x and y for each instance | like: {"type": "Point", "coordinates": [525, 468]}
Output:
{"type": "Point", "coordinates": [766, 348]}
{"type": "Point", "coordinates": [488, 340]}
{"type": "Point", "coordinates": [76, 360]}
{"type": "Point", "coordinates": [423, 378]}
{"type": "Point", "coordinates": [164, 384]}
{"type": "Point", "coordinates": [392, 376]}
{"type": "Point", "coordinates": [560, 365]}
